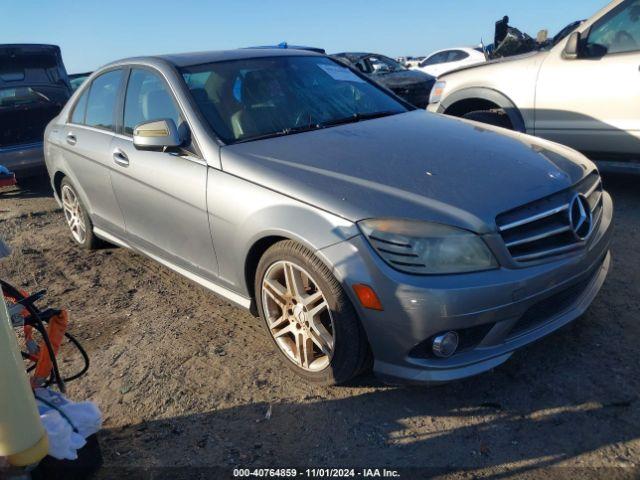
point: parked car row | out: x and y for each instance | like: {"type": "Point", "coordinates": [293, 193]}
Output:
{"type": "Point", "coordinates": [508, 41]}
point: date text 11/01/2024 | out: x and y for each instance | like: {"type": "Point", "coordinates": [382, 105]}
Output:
{"type": "Point", "coordinates": [317, 473]}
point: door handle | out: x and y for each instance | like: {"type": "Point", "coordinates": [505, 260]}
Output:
{"type": "Point", "coordinates": [120, 158]}
{"type": "Point", "coordinates": [71, 139]}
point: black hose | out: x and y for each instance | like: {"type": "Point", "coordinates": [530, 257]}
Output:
{"type": "Point", "coordinates": [85, 357]}
{"type": "Point", "coordinates": [39, 325]}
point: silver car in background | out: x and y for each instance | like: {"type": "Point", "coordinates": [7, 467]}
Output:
{"type": "Point", "coordinates": [356, 226]}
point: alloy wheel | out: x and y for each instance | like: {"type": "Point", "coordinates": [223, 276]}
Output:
{"type": "Point", "coordinates": [298, 316]}
{"type": "Point", "coordinates": [73, 214]}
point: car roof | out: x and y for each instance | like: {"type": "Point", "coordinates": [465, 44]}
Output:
{"type": "Point", "coordinates": [292, 47]}
{"type": "Point", "coordinates": [199, 58]}
{"type": "Point", "coordinates": [465, 49]}
{"type": "Point", "coordinates": [353, 55]}
{"type": "Point", "coordinates": [30, 45]}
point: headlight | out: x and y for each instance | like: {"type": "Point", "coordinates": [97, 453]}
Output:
{"type": "Point", "coordinates": [425, 248]}
{"type": "Point", "coordinates": [436, 92]}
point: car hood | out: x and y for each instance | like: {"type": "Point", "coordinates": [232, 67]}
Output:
{"type": "Point", "coordinates": [402, 79]}
{"type": "Point", "coordinates": [413, 165]}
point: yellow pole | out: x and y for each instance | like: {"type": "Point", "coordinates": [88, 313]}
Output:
{"type": "Point", "coordinates": [22, 437]}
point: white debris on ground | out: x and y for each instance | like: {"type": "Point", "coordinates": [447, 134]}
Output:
{"type": "Point", "coordinates": [68, 424]}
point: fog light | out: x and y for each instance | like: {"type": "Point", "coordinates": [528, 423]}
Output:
{"type": "Point", "coordinates": [445, 345]}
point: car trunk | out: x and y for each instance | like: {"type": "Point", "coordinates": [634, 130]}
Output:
{"type": "Point", "coordinates": [25, 124]}
{"type": "Point", "coordinates": [33, 89]}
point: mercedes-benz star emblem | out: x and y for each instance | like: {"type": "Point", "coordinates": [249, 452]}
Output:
{"type": "Point", "coordinates": [580, 217]}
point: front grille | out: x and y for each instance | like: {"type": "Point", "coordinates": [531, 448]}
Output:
{"type": "Point", "coordinates": [544, 229]}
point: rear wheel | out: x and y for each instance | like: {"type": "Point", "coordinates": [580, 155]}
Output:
{"type": "Point", "coordinates": [77, 218]}
{"type": "Point", "coordinates": [497, 117]}
{"type": "Point", "coordinates": [308, 315]}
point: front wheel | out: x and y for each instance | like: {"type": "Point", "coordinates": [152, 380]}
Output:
{"type": "Point", "coordinates": [308, 315]}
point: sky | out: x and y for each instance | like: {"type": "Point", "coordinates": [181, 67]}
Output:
{"type": "Point", "coordinates": [92, 33]}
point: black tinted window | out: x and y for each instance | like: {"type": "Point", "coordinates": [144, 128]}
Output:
{"type": "Point", "coordinates": [103, 96]}
{"type": "Point", "coordinates": [148, 99]}
{"type": "Point", "coordinates": [457, 55]}
{"type": "Point", "coordinates": [79, 109]}
{"type": "Point", "coordinates": [617, 32]}
{"type": "Point", "coordinates": [435, 59]}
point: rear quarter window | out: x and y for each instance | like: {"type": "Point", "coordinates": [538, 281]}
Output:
{"type": "Point", "coordinates": [103, 96]}
{"type": "Point", "coordinates": [79, 109]}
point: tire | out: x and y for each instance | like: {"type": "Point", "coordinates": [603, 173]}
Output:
{"type": "Point", "coordinates": [498, 118]}
{"type": "Point", "coordinates": [330, 362]}
{"type": "Point", "coordinates": [77, 218]}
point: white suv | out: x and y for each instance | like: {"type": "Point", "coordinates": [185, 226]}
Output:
{"type": "Point", "coordinates": [583, 92]}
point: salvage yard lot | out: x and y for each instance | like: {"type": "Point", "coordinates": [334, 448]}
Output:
{"type": "Point", "coordinates": [186, 379]}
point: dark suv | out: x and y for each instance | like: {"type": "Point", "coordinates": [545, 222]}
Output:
{"type": "Point", "coordinates": [33, 89]}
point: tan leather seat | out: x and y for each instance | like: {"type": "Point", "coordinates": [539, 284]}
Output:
{"type": "Point", "coordinates": [260, 112]}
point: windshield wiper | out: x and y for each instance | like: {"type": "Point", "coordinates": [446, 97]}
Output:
{"type": "Point", "coordinates": [358, 117]}
{"type": "Point", "coordinates": [280, 133]}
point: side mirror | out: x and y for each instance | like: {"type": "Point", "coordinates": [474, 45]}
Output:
{"type": "Point", "coordinates": [572, 48]}
{"type": "Point", "coordinates": [157, 135]}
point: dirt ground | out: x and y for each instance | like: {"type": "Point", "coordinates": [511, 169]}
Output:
{"type": "Point", "coordinates": [186, 379]}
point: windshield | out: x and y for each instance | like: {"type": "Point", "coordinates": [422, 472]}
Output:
{"type": "Point", "coordinates": [21, 96]}
{"type": "Point", "coordinates": [249, 99]}
{"type": "Point", "coordinates": [77, 81]}
{"type": "Point", "coordinates": [562, 34]}
{"type": "Point", "coordinates": [382, 64]}
{"type": "Point", "coordinates": [373, 64]}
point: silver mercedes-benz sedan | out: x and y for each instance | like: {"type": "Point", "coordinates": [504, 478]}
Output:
{"type": "Point", "coordinates": [357, 227]}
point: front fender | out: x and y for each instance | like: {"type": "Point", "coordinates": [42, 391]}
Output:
{"type": "Point", "coordinates": [242, 213]}
{"type": "Point", "coordinates": [489, 95]}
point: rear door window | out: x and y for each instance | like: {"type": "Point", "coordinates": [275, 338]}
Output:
{"type": "Point", "coordinates": [103, 98]}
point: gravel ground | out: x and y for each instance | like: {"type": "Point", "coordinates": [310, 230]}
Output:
{"type": "Point", "coordinates": [186, 379]}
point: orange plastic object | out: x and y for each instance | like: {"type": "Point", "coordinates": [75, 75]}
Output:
{"type": "Point", "coordinates": [56, 328]}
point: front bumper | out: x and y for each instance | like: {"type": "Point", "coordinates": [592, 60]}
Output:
{"type": "Point", "coordinates": [496, 312]}
{"type": "Point", "coordinates": [23, 159]}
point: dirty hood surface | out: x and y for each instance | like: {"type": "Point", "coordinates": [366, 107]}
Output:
{"type": "Point", "coordinates": [412, 165]}
{"type": "Point", "coordinates": [403, 78]}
